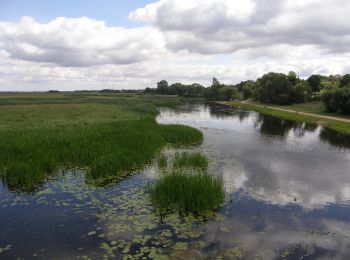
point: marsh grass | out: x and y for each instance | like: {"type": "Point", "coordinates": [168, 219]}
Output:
{"type": "Point", "coordinates": [162, 161]}
{"type": "Point", "coordinates": [109, 138]}
{"type": "Point", "coordinates": [195, 193]}
{"type": "Point", "coordinates": [190, 160]}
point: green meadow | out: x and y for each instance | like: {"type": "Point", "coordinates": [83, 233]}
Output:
{"type": "Point", "coordinates": [107, 135]}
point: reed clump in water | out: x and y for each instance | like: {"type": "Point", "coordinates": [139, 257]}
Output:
{"type": "Point", "coordinates": [190, 160]}
{"type": "Point", "coordinates": [198, 193]}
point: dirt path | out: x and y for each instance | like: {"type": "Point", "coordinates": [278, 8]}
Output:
{"type": "Point", "coordinates": [301, 113]}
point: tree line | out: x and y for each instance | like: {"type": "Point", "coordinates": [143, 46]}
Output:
{"type": "Point", "coordinates": [272, 88]}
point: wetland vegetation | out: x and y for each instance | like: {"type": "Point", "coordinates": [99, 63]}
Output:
{"type": "Point", "coordinates": [187, 192]}
{"type": "Point", "coordinates": [190, 160]}
{"type": "Point", "coordinates": [186, 187]}
{"type": "Point", "coordinates": [107, 136]}
{"type": "Point", "coordinates": [230, 197]}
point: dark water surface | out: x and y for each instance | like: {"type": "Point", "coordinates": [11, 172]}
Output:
{"type": "Point", "coordinates": [288, 197]}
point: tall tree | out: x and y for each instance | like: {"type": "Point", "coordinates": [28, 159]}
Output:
{"type": "Point", "coordinates": [345, 81]}
{"type": "Point", "coordinates": [274, 88]}
{"type": "Point", "coordinates": [293, 77]}
{"type": "Point", "coordinates": [315, 83]}
{"type": "Point", "coordinates": [216, 82]}
{"type": "Point", "coordinates": [162, 87]}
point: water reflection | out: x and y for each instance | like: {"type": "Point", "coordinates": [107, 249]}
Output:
{"type": "Point", "coordinates": [270, 125]}
{"type": "Point", "coordinates": [336, 139]}
{"type": "Point", "coordinates": [277, 161]}
{"type": "Point", "coordinates": [288, 197]}
{"type": "Point", "coordinates": [291, 179]}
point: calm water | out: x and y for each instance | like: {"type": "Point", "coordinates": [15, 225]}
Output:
{"type": "Point", "coordinates": [288, 197]}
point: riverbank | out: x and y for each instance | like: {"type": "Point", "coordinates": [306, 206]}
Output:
{"type": "Point", "coordinates": [337, 123]}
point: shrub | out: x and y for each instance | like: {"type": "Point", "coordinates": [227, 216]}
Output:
{"type": "Point", "coordinates": [337, 100]}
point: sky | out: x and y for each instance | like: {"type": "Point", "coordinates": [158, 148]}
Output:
{"type": "Point", "coordinates": [90, 44]}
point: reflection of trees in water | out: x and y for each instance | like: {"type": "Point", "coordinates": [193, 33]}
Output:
{"type": "Point", "coordinates": [270, 125]}
{"type": "Point", "coordinates": [334, 138]}
{"type": "Point", "coordinates": [243, 115]}
{"type": "Point", "coordinates": [221, 112]}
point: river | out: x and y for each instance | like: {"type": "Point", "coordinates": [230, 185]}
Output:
{"type": "Point", "coordinates": [287, 197]}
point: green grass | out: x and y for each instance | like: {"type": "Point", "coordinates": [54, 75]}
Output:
{"type": "Point", "coordinates": [190, 160]}
{"type": "Point", "coordinates": [343, 127]}
{"type": "Point", "coordinates": [106, 135]}
{"type": "Point", "coordinates": [197, 193]}
{"type": "Point", "coordinates": [162, 161]}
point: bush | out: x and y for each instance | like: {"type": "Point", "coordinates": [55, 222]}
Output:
{"type": "Point", "coordinates": [337, 100]}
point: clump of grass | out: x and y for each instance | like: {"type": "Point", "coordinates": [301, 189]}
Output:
{"type": "Point", "coordinates": [162, 162]}
{"type": "Point", "coordinates": [198, 193]}
{"type": "Point", "coordinates": [180, 135]}
{"type": "Point", "coordinates": [190, 160]}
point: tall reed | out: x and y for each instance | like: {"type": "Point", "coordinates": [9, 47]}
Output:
{"type": "Point", "coordinates": [198, 193]}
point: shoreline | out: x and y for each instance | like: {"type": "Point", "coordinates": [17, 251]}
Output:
{"type": "Point", "coordinates": [338, 124]}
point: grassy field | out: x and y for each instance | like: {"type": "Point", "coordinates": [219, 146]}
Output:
{"type": "Point", "coordinates": [108, 135]}
{"type": "Point", "coordinates": [315, 108]}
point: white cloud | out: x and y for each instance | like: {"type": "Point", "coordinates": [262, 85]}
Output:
{"type": "Point", "coordinates": [78, 42]}
{"type": "Point", "coordinates": [181, 41]}
{"type": "Point", "coordinates": [224, 26]}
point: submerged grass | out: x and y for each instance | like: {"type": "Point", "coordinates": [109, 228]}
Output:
{"type": "Point", "coordinates": [197, 193]}
{"type": "Point", "coordinates": [107, 136]}
{"type": "Point", "coordinates": [190, 160]}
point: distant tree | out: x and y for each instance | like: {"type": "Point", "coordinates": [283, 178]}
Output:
{"type": "Point", "coordinates": [345, 81]}
{"type": "Point", "coordinates": [216, 82]}
{"type": "Point", "coordinates": [274, 88]}
{"type": "Point", "coordinates": [235, 94]}
{"type": "Point", "coordinates": [300, 92]}
{"type": "Point", "coordinates": [293, 78]}
{"type": "Point", "coordinates": [212, 93]}
{"type": "Point", "coordinates": [228, 93]}
{"type": "Point", "coordinates": [247, 88]}
{"type": "Point", "coordinates": [149, 91]}
{"type": "Point", "coordinates": [337, 100]}
{"type": "Point", "coordinates": [315, 83]}
{"type": "Point", "coordinates": [162, 87]}
{"type": "Point", "coordinates": [329, 85]}
{"type": "Point", "coordinates": [218, 91]}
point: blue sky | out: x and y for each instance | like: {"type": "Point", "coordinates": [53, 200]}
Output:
{"type": "Point", "coordinates": [114, 12]}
